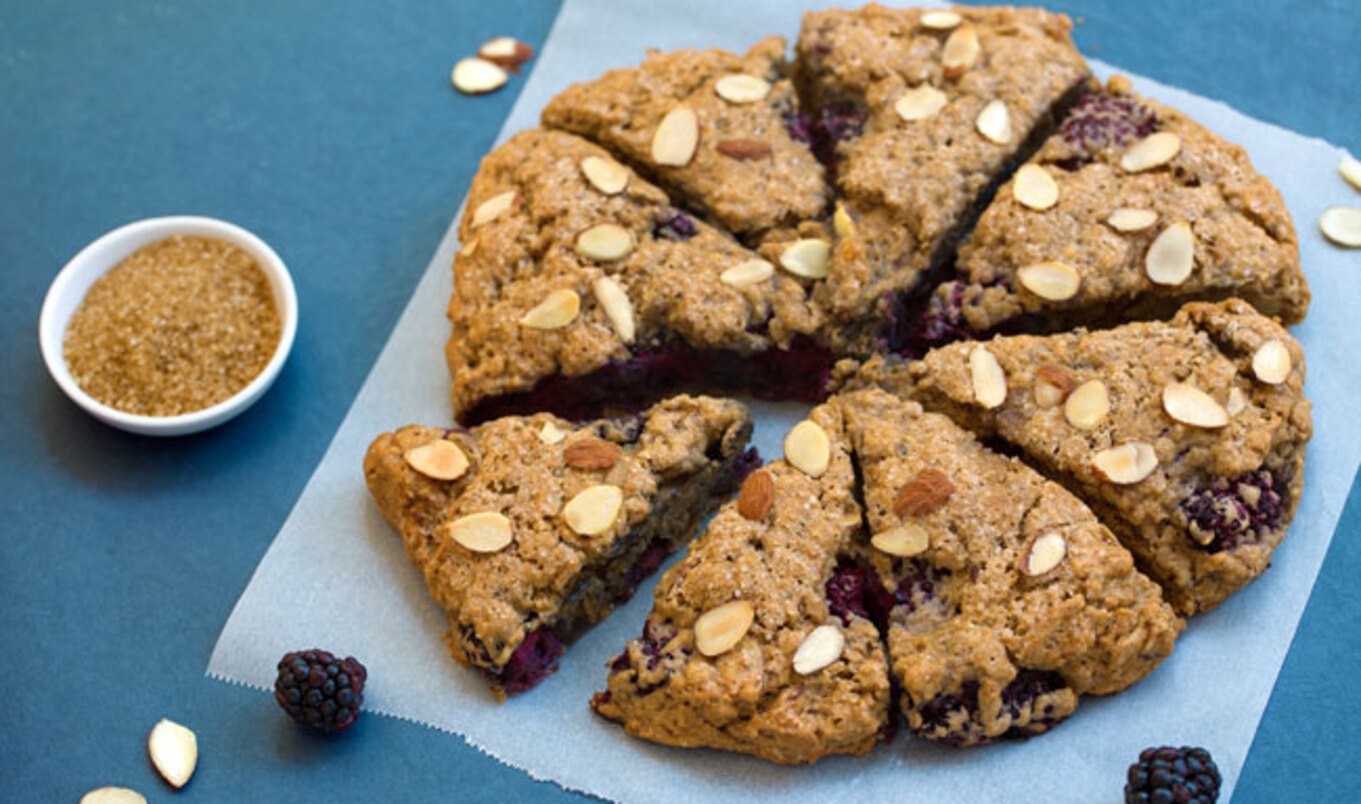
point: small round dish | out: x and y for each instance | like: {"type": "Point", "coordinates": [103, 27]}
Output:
{"type": "Point", "coordinates": [69, 288]}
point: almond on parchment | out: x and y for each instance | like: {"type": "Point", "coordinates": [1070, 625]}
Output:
{"type": "Point", "coordinates": [989, 381]}
{"type": "Point", "coordinates": [927, 491]}
{"type": "Point", "coordinates": [474, 76]}
{"type": "Point", "coordinates": [820, 648]}
{"type": "Point", "coordinates": [807, 448]}
{"type": "Point", "coordinates": [438, 460]}
{"type": "Point", "coordinates": [676, 138]}
{"type": "Point", "coordinates": [1342, 226]}
{"type": "Point", "coordinates": [594, 510]}
{"type": "Point", "coordinates": [592, 454]}
{"type": "Point", "coordinates": [718, 630]}
{"type": "Point", "coordinates": [1190, 405]}
{"type": "Point", "coordinates": [113, 795]}
{"type": "Point", "coordinates": [757, 496]}
{"type": "Point", "coordinates": [1126, 464]}
{"type": "Point", "coordinates": [174, 751]}
{"type": "Point", "coordinates": [506, 51]}
{"type": "Point", "coordinates": [483, 532]}
{"type": "Point", "coordinates": [1043, 554]}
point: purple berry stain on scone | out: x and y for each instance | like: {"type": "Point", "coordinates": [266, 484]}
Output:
{"type": "Point", "coordinates": [672, 224]}
{"type": "Point", "coordinates": [1227, 513]}
{"type": "Point", "coordinates": [855, 589]}
{"type": "Point", "coordinates": [1103, 120]}
{"type": "Point", "coordinates": [940, 323]}
{"type": "Point", "coordinates": [534, 660]}
{"type": "Point", "coordinates": [833, 125]}
{"type": "Point", "coordinates": [798, 125]}
{"type": "Point", "coordinates": [954, 718]}
{"type": "Point", "coordinates": [918, 584]}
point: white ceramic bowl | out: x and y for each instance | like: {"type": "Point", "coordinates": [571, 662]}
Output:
{"type": "Point", "coordinates": [68, 290]}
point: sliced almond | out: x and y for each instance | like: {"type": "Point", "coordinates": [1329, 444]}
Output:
{"type": "Point", "coordinates": [718, 630]}
{"type": "Point", "coordinates": [1035, 188]}
{"type": "Point", "coordinates": [1043, 555]}
{"type": "Point", "coordinates": [739, 88]}
{"type": "Point", "coordinates": [676, 138]}
{"type": "Point", "coordinates": [493, 208]}
{"type": "Point", "coordinates": [1087, 406]}
{"type": "Point", "coordinates": [1052, 385]}
{"type": "Point", "coordinates": [1237, 403]}
{"type": "Point", "coordinates": [174, 751]}
{"type": "Point", "coordinates": [594, 510]}
{"type": "Point", "coordinates": [842, 222]}
{"type": "Point", "coordinates": [1350, 169]}
{"type": "Point", "coordinates": [810, 258]}
{"type": "Point", "coordinates": [474, 76]}
{"type": "Point", "coordinates": [438, 460]}
{"type": "Point", "coordinates": [1052, 281]}
{"type": "Point", "coordinates": [485, 532]}
{"type": "Point", "coordinates": [940, 20]}
{"type": "Point", "coordinates": [821, 647]}
{"type": "Point", "coordinates": [1171, 256]}
{"type": "Point", "coordinates": [604, 242]}
{"type": "Point", "coordinates": [1341, 225]}
{"type": "Point", "coordinates": [907, 540]}
{"type": "Point", "coordinates": [807, 448]}
{"type": "Point", "coordinates": [469, 249]}
{"type": "Point", "coordinates": [989, 381]}
{"type": "Point", "coordinates": [1128, 219]}
{"type": "Point", "coordinates": [927, 491]}
{"type": "Point", "coordinates": [1125, 464]}
{"type": "Point", "coordinates": [592, 454]}
{"type": "Point", "coordinates": [994, 122]}
{"type": "Point", "coordinates": [919, 103]}
{"type": "Point", "coordinates": [113, 795]}
{"type": "Point", "coordinates": [605, 175]}
{"type": "Point", "coordinates": [506, 51]}
{"type": "Point", "coordinates": [756, 496]}
{"type": "Point", "coordinates": [743, 148]}
{"type": "Point", "coordinates": [746, 274]}
{"type": "Point", "coordinates": [961, 51]}
{"type": "Point", "coordinates": [559, 309]}
{"type": "Point", "coordinates": [551, 434]}
{"type": "Point", "coordinates": [1190, 405]}
{"type": "Point", "coordinates": [1271, 362]}
{"type": "Point", "coordinates": [1150, 152]}
{"type": "Point", "coordinates": [618, 309]}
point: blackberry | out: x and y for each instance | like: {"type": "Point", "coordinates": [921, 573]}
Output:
{"type": "Point", "coordinates": [316, 689]}
{"type": "Point", "coordinates": [672, 224]}
{"type": "Point", "coordinates": [1226, 513]}
{"type": "Point", "coordinates": [1101, 120]}
{"type": "Point", "coordinates": [1183, 775]}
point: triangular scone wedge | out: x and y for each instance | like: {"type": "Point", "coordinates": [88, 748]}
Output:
{"type": "Point", "coordinates": [742, 650]}
{"type": "Point", "coordinates": [1187, 437]}
{"type": "Point", "coordinates": [921, 113]}
{"type": "Point", "coordinates": [1010, 599]}
{"type": "Point", "coordinates": [711, 127]}
{"type": "Point", "coordinates": [1129, 211]}
{"type": "Point", "coordinates": [529, 530]}
{"type": "Point", "coordinates": [579, 287]}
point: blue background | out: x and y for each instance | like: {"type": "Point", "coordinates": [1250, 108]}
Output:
{"type": "Point", "coordinates": [330, 130]}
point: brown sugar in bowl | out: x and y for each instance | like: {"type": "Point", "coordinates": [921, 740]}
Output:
{"type": "Point", "coordinates": [212, 382]}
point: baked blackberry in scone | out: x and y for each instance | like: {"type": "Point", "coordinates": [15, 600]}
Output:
{"type": "Point", "coordinates": [919, 114]}
{"type": "Point", "coordinates": [757, 641]}
{"type": "Point", "coordinates": [580, 288]}
{"type": "Point", "coordinates": [711, 127]}
{"type": "Point", "coordinates": [1186, 437]}
{"type": "Point", "coordinates": [1129, 211]}
{"type": "Point", "coordinates": [529, 530]}
{"type": "Point", "coordinates": [1009, 599]}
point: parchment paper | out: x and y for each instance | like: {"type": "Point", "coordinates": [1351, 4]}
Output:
{"type": "Point", "coordinates": [336, 554]}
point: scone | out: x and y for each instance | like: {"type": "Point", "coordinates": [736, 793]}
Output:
{"type": "Point", "coordinates": [743, 650]}
{"type": "Point", "coordinates": [1129, 211]}
{"type": "Point", "coordinates": [580, 288]}
{"type": "Point", "coordinates": [1010, 600]}
{"type": "Point", "coordinates": [1187, 437]}
{"type": "Point", "coordinates": [920, 113]}
{"type": "Point", "coordinates": [714, 128]}
{"type": "Point", "coordinates": [529, 530]}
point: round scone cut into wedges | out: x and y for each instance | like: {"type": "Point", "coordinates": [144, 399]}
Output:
{"type": "Point", "coordinates": [1128, 211]}
{"type": "Point", "coordinates": [919, 121]}
{"type": "Point", "coordinates": [743, 650]}
{"type": "Point", "coordinates": [1187, 437]}
{"type": "Point", "coordinates": [717, 129]}
{"type": "Point", "coordinates": [580, 288]}
{"type": "Point", "coordinates": [1009, 599]}
{"type": "Point", "coordinates": [530, 529]}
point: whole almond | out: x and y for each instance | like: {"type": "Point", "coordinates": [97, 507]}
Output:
{"type": "Point", "coordinates": [506, 52]}
{"type": "Point", "coordinates": [926, 492]}
{"type": "Point", "coordinates": [756, 496]}
{"type": "Point", "coordinates": [743, 149]}
{"type": "Point", "coordinates": [718, 630]}
{"type": "Point", "coordinates": [592, 454]}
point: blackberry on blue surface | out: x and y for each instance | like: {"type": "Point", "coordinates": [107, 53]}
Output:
{"type": "Point", "coordinates": [1169, 775]}
{"type": "Point", "coordinates": [318, 690]}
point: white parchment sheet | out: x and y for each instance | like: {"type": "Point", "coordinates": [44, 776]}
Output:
{"type": "Point", "coordinates": [335, 553]}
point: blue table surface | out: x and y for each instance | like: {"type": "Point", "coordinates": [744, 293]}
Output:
{"type": "Point", "coordinates": [330, 130]}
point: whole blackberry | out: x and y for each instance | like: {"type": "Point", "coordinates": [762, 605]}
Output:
{"type": "Point", "coordinates": [1165, 775]}
{"type": "Point", "coordinates": [316, 689]}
